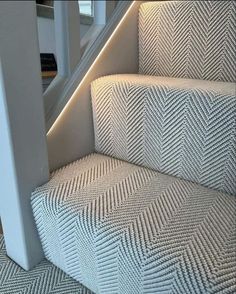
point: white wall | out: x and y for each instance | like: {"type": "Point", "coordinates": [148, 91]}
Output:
{"type": "Point", "coordinates": [46, 33]}
{"type": "Point", "coordinates": [83, 29]}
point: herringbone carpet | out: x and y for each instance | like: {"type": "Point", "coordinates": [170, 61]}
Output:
{"type": "Point", "coordinates": [45, 278]}
{"type": "Point", "coordinates": [181, 127]}
{"type": "Point", "coordinates": [188, 39]}
{"type": "Point", "coordinates": [120, 228]}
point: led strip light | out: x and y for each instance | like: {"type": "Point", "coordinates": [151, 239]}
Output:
{"type": "Point", "coordinates": [91, 67]}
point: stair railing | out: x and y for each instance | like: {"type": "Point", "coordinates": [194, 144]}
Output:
{"type": "Point", "coordinates": [67, 36]}
{"type": "Point", "coordinates": [69, 46]}
{"type": "Point", "coordinates": [67, 32]}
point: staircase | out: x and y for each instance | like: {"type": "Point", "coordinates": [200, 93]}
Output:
{"type": "Point", "coordinates": [152, 210]}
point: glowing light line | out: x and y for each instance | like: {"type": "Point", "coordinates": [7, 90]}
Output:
{"type": "Point", "coordinates": [91, 67]}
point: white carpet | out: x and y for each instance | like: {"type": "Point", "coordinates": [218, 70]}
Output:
{"type": "Point", "coordinates": [45, 278]}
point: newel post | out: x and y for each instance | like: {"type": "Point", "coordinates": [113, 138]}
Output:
{"type": "Point", "coordinates": [23, 149]}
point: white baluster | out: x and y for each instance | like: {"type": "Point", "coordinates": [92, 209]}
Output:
{"type": "Point", "coordinates": [67, 33]}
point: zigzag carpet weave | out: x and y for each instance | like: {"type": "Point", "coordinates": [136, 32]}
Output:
{"type": "Point", "coordinates": [45, 278]}
{"type": "Point", "coordinates": [124, 229]}
{"type": "Point", "coordinates": [181, 127]}
{"type": "Point", "coordinates": [188, 39]}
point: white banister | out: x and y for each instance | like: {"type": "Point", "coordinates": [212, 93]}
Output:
{"type": "Point", "coordinates": [23, 148]}
{"type": "Point", "coordinates": [103, 10]}
{"type": "Point", "coordinates": [100, 12]}
{"type": "Point", "coordinates": [67, 36]}
{"type": "Point", "coordinates": [67, 33]}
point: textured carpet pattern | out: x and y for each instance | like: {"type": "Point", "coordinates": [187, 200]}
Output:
{"type": "Point", "coordinates": [188, 39]}
{"type": "Point", "coordinates": [121, 228]}
{"type": "Point", "coordinates": [183, 127]}
{"type": "Point", "coordinates": [45, 278]}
